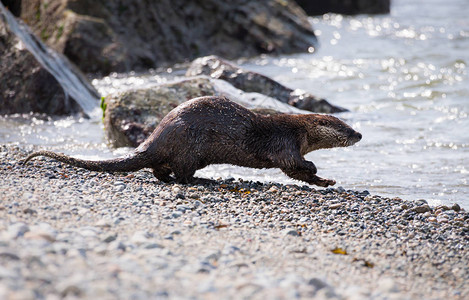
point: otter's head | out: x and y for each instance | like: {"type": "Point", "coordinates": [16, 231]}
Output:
{"type": "Point", "coordinates": [326, 131]}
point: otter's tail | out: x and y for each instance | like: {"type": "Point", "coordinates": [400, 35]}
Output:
{"type": "Point", "coordinates": [130, 163]}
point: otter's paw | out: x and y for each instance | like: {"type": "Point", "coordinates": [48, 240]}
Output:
{"type": "Point", "coordinates": [166, 179]}
{"type": "Point", "coordinates": [325, 182]}
{"type": "Point", "coordinates": [203, 181]}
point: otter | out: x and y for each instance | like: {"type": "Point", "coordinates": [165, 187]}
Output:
{"type": "Point", "coordinates": [215, 130]}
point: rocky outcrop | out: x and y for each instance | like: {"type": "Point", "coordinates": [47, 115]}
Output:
{"type": "Point", "coordinates": [25, 85]}
{"type": "Point", "coordinates": [101, 36]}
{"type": "Point", "coordinates": [249, 81]}
{"type": "Point", "coordinates": [346, 7]}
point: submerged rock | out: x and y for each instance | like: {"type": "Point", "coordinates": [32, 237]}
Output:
{"type": "Point", "coordinates": [105, 36]}
{"type": "Point", "coordinates": [346, 7]}
{"type": "Point", "coordinates": [25, 85]}
{"type": "Point", "coordinates": [249, 81]}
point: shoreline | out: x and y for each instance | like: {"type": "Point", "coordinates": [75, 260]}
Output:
{"type": "Point", "coordinates": [66, 231]}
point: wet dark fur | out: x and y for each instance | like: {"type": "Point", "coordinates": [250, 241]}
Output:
{"type": "Point", "coordinates": [214, 130]}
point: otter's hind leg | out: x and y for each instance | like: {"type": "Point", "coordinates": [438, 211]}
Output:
{"type": "Point", "coordinates": [162, 173]}
{"type": "Point", "coordinates": [184, 173]}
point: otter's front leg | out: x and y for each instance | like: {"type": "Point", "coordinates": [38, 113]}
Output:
{"type": "Point", "coordinates": [306, 171]}
{"type": "Point", "coordinates": [322, 181]}
{"type": "Point", "coordinates": [295, 166]}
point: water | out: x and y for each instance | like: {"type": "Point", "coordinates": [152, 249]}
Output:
{"type": "Point", "coordinates": [403, 76]}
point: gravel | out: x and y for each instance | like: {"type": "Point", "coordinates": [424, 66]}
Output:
{"type": "Point", "coordinates": [69, 232]}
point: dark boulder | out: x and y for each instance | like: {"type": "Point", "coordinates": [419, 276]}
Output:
{"type": "Point", "coordinates": [26, 86]}
{"type": "Point", "coordinates": [102, 36]}
{"type": "Point", "coordinates": [346, 7]}
{"type": "Point", "coordinates": [14, 6]}
{"type": "Point", "coordinates": [249, 81]}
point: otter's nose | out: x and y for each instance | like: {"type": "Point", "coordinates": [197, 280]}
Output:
{"type": "Point", "coordinates": [355, 136]}
{"type": "Point", "coordinates": [358, 135]}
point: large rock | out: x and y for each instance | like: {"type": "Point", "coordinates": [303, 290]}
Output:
{"type": "Point", "coordinates": [110, 35]}
{"type": "Point", "coordinates": [346, 7]}
{"type": "Point", "coordinates": [25, 85]}
{"type": "Point", "coordinates": [249, 81]}
{"type": "Point", "coordinates": [14, 6]}
{"type": "Point", "coordinates": [130, 117]}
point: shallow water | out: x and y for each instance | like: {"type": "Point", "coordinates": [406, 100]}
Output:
{"type": "Point", "coordinates": [403, 76]}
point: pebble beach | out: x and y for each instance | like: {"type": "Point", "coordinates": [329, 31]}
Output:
{"type": "Point", "coordinates": [71, 233]}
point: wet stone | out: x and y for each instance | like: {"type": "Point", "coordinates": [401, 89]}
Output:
{"type": "Point", "coordinates": [291, 232]}
{"type": "Point", "coordinates": [9, 255]}
{"type": "Point", "coordinates": [335, 205]}
{"type": "Point", "coordinates": [176, 214]}
{"type": "Point", "coordinates": [17, 230]}
{"type": "Point", "coordinates": [422, 209]}
{"type": "Point", "coordinates": [456, 207]}
{"type": "Point", "coordinates": [110, 238]}
{"type": "Point", "coordinates": [182, 208]}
